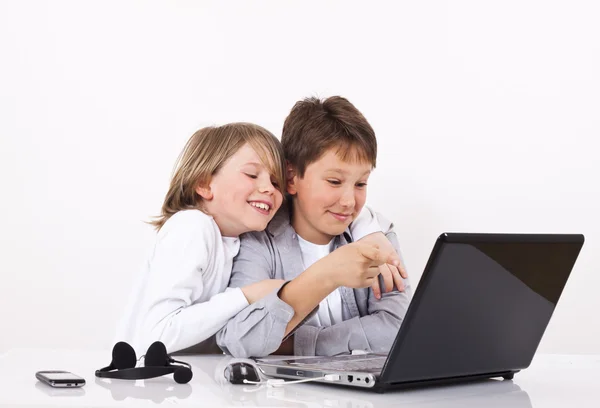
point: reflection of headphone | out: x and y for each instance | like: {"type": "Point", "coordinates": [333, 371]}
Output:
{"type": "Point", "coordinates": [153, 391]}
{"type": "Point", "coordinates": [156, 363]}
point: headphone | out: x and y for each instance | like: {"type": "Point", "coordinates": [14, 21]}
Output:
{"type": "Point", "coordinates": [156, 363]}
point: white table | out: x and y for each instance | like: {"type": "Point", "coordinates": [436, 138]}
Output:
{"type": "Point", "coordinates": [550, 381]}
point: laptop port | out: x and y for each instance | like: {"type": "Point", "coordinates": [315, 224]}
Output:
{"type": "Point", "coordinates": [350, 378]}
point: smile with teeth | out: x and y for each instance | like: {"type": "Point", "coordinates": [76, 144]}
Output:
{"type": "Point", "coordinates": [262, 206]}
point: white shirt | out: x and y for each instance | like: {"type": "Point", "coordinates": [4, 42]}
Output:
{"type": "Point", "coordinates": [330, 308]}
{"type": "Point", "coordinates": [181, 296]}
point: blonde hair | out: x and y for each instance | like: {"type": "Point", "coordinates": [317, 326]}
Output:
{"type": "Point", "coordinates": [206, 152]}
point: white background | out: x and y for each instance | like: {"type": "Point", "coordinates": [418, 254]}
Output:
{"type": "Point", "coordinates": [487, 115]}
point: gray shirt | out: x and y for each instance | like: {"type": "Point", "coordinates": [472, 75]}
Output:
{"type": "Point", "coordinates": [258, 330]}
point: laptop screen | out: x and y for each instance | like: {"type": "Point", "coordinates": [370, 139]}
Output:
{"type": "Point", "coordinates": [482, 305]}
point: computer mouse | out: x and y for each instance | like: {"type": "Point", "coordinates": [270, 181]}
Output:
{"type": "Point", "coordinates": [237, 372]}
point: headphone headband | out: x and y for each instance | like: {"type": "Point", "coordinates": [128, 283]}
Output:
{"type": "Point", "coordinates": [122, 366]}
{"type": "Point", "coordinates": [138, 373]}
{"type": "Point", "coordinates": [181, 363]}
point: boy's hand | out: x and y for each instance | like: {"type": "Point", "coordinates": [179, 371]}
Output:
{"type": "Point", "coordinates": [356, 265]}
{"type": "Point", "coordinates": [390, 273]}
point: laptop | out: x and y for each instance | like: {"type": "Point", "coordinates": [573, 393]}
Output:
{"type": "Point", "coordinates": [479, 311]}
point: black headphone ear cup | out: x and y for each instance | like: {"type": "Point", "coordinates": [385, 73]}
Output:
{"type": "Point", "coordinates": [123, 356]}
{"type": "Point", "coordinates": [156, 356]}
{"type": "Point", "coordinates": [182, 375]}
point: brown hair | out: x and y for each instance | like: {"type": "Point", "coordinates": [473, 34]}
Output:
{"type": "Point", "coordinates": [314, 126]}
{"type": "Point", "coordinates": [205, 153]}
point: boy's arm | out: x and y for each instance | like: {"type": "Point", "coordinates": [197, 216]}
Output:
{"type": "Point", "coordinates": [259, 328]}
{"type": "Point", "coordinates": [354, 265]}
{"type": "Point", "coordinates": [373, 333]}
{"type": "Point", "coordinates": [170, 289]}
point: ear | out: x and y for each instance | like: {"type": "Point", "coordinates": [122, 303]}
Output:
{"type": "Point", "coordinates": [204, 192]}
{"type": "Point", "coordinates": [291, 177]}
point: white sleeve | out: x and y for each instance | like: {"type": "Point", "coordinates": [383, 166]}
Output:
{"type": "Point", "coordinates": [366, 223]}
{"type": "Point", "coordinates": [175, 282]}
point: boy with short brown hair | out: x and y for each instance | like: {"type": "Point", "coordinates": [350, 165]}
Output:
{"type": "Point", "coordinates": [330, 150]}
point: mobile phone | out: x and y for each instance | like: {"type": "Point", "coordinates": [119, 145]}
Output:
{"type": "Point", "coordinates": [60, 379]}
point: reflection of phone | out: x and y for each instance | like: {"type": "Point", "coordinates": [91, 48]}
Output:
{"type": "Point", "coordinates": [60, 392]}
{"type": "Point", "coordinates": [62, 379]}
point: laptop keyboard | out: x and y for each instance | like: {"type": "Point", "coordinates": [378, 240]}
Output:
{"type": "Point", "coordinates": [345, 363]}
{"type": "Point", "coordinates": [363, 365]}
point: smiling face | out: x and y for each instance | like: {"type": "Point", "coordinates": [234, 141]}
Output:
{"type": "Point", "coordinates": [242, 196]}
{"type": "Point", "coordinates": [329, 196]}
